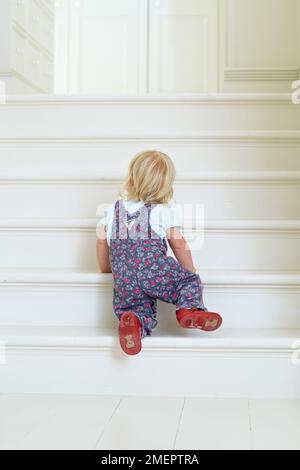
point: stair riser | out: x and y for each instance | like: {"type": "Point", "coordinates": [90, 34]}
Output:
{"type": "Point", "coordinates": [93, 158]}
{"type": "Point", "coordinates": [53, 305]}
{"type": "Point", "coordinates": [74, 249]}
{"type": "Point", "coordinates": [138, 119]}
{"type": "Point", "coordinates": [224, 375]}
{"type": "Point", "coordinates": [256, 200]}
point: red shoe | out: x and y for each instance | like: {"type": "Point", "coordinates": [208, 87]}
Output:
{"type": "Point", "coordinates": [130, 332]}
{"type": "Point", "coordinates": [198, 319]}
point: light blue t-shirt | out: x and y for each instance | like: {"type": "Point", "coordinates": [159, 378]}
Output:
{"type": "Point", "coordinates": [162, 217]}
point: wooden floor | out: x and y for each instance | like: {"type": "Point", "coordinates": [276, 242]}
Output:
{"type": "Point", "coordinates": [91, 422]}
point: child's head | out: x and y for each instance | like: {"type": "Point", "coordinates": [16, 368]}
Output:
{"type": "Point", "coordinates": [150, 178]}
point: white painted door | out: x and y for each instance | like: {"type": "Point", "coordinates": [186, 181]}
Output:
{"type": "Point", "coordinates": [183, 46]}
{"type": "Point", "coordinates": [106, 43]}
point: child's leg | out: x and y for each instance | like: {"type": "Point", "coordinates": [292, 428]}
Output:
{"type": "Point", "coordinates": [168, 281]}
{"type": "Point", "coordinates": [144, 308]}
{"type": "Point", "coordinates": [174, 284]}
{"type": "Point", "coordinates": [189, 292]}
{"type": "Point", "coordinates": [195, 316]}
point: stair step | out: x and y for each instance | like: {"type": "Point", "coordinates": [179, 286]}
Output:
{"type": "Point", "coordinates": [220, 245]}
{"type": "Point", "coordinates": [233, 340]}
{"type": "Point", "coordinates": [70, 298]}
{"type": "Point", "coordinates": [239, 195]}
{"type": "Point", "coordinates": [67, 117]}
{"type": "Point", "coordinates": [228, 363]}
{"type": "Point", "coordinates": [46, 159]}
{"type": "Point", "coordinates": [213, 278]}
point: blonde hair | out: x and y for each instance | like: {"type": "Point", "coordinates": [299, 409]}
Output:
{"type": "Point", "coordinates": [150, 178]}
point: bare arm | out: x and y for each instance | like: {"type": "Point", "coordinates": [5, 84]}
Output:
{"type": "Point", "coordinates": [181, 249]}
{"type": "Point", "coordinates": [103, 251]}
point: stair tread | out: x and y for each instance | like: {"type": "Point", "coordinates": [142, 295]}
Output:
{"type": "Point", "coordinates": [176, 338]}
{"type": "Point", "coordinates": [250, 175]}
{"type": "Point", "coordinates": [36, 275]}
{"type": "Point", "coordinates": [213, 98]}
{"type": "Point", "coordinates": [90, 223]}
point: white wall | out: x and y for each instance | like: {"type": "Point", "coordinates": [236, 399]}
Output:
{"type": "Point", "coordinates": [177, 46]}
{"type": "Point", "coordinates": [262, 45]}
{"type": "Point", "coordinates": [162, 46]}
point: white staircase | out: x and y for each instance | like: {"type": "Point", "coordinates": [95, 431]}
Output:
{"type": "Point", "coordinates": [59, 159]}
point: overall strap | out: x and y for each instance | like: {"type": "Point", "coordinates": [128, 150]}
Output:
{"type": "Point", "coordinates": [117, 219]}
{"type": "Point", "coordinates": [149, 209]}
{"type": "Point", "coordinates": [119, 206]}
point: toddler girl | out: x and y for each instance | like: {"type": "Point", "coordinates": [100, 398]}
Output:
{"type": "Point", "coordinates": [132, 245]}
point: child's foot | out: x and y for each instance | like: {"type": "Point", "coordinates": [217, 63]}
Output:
{"type": "Point", "coordinates": [130, 332]}
{"type": "Point", "coordinates": [198, 319]}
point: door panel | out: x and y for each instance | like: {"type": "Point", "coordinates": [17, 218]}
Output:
{"type": "Point", "coordinates": [183, 46]}
{"type": "Point", "coordinates": [105, 40]}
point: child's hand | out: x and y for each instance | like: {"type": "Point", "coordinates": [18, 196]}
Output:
{"type": "Point", "coordinates": [103, 251]}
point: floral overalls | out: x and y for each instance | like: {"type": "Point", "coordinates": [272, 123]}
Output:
{"type": "Point", "coordinates": [142, 271]}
